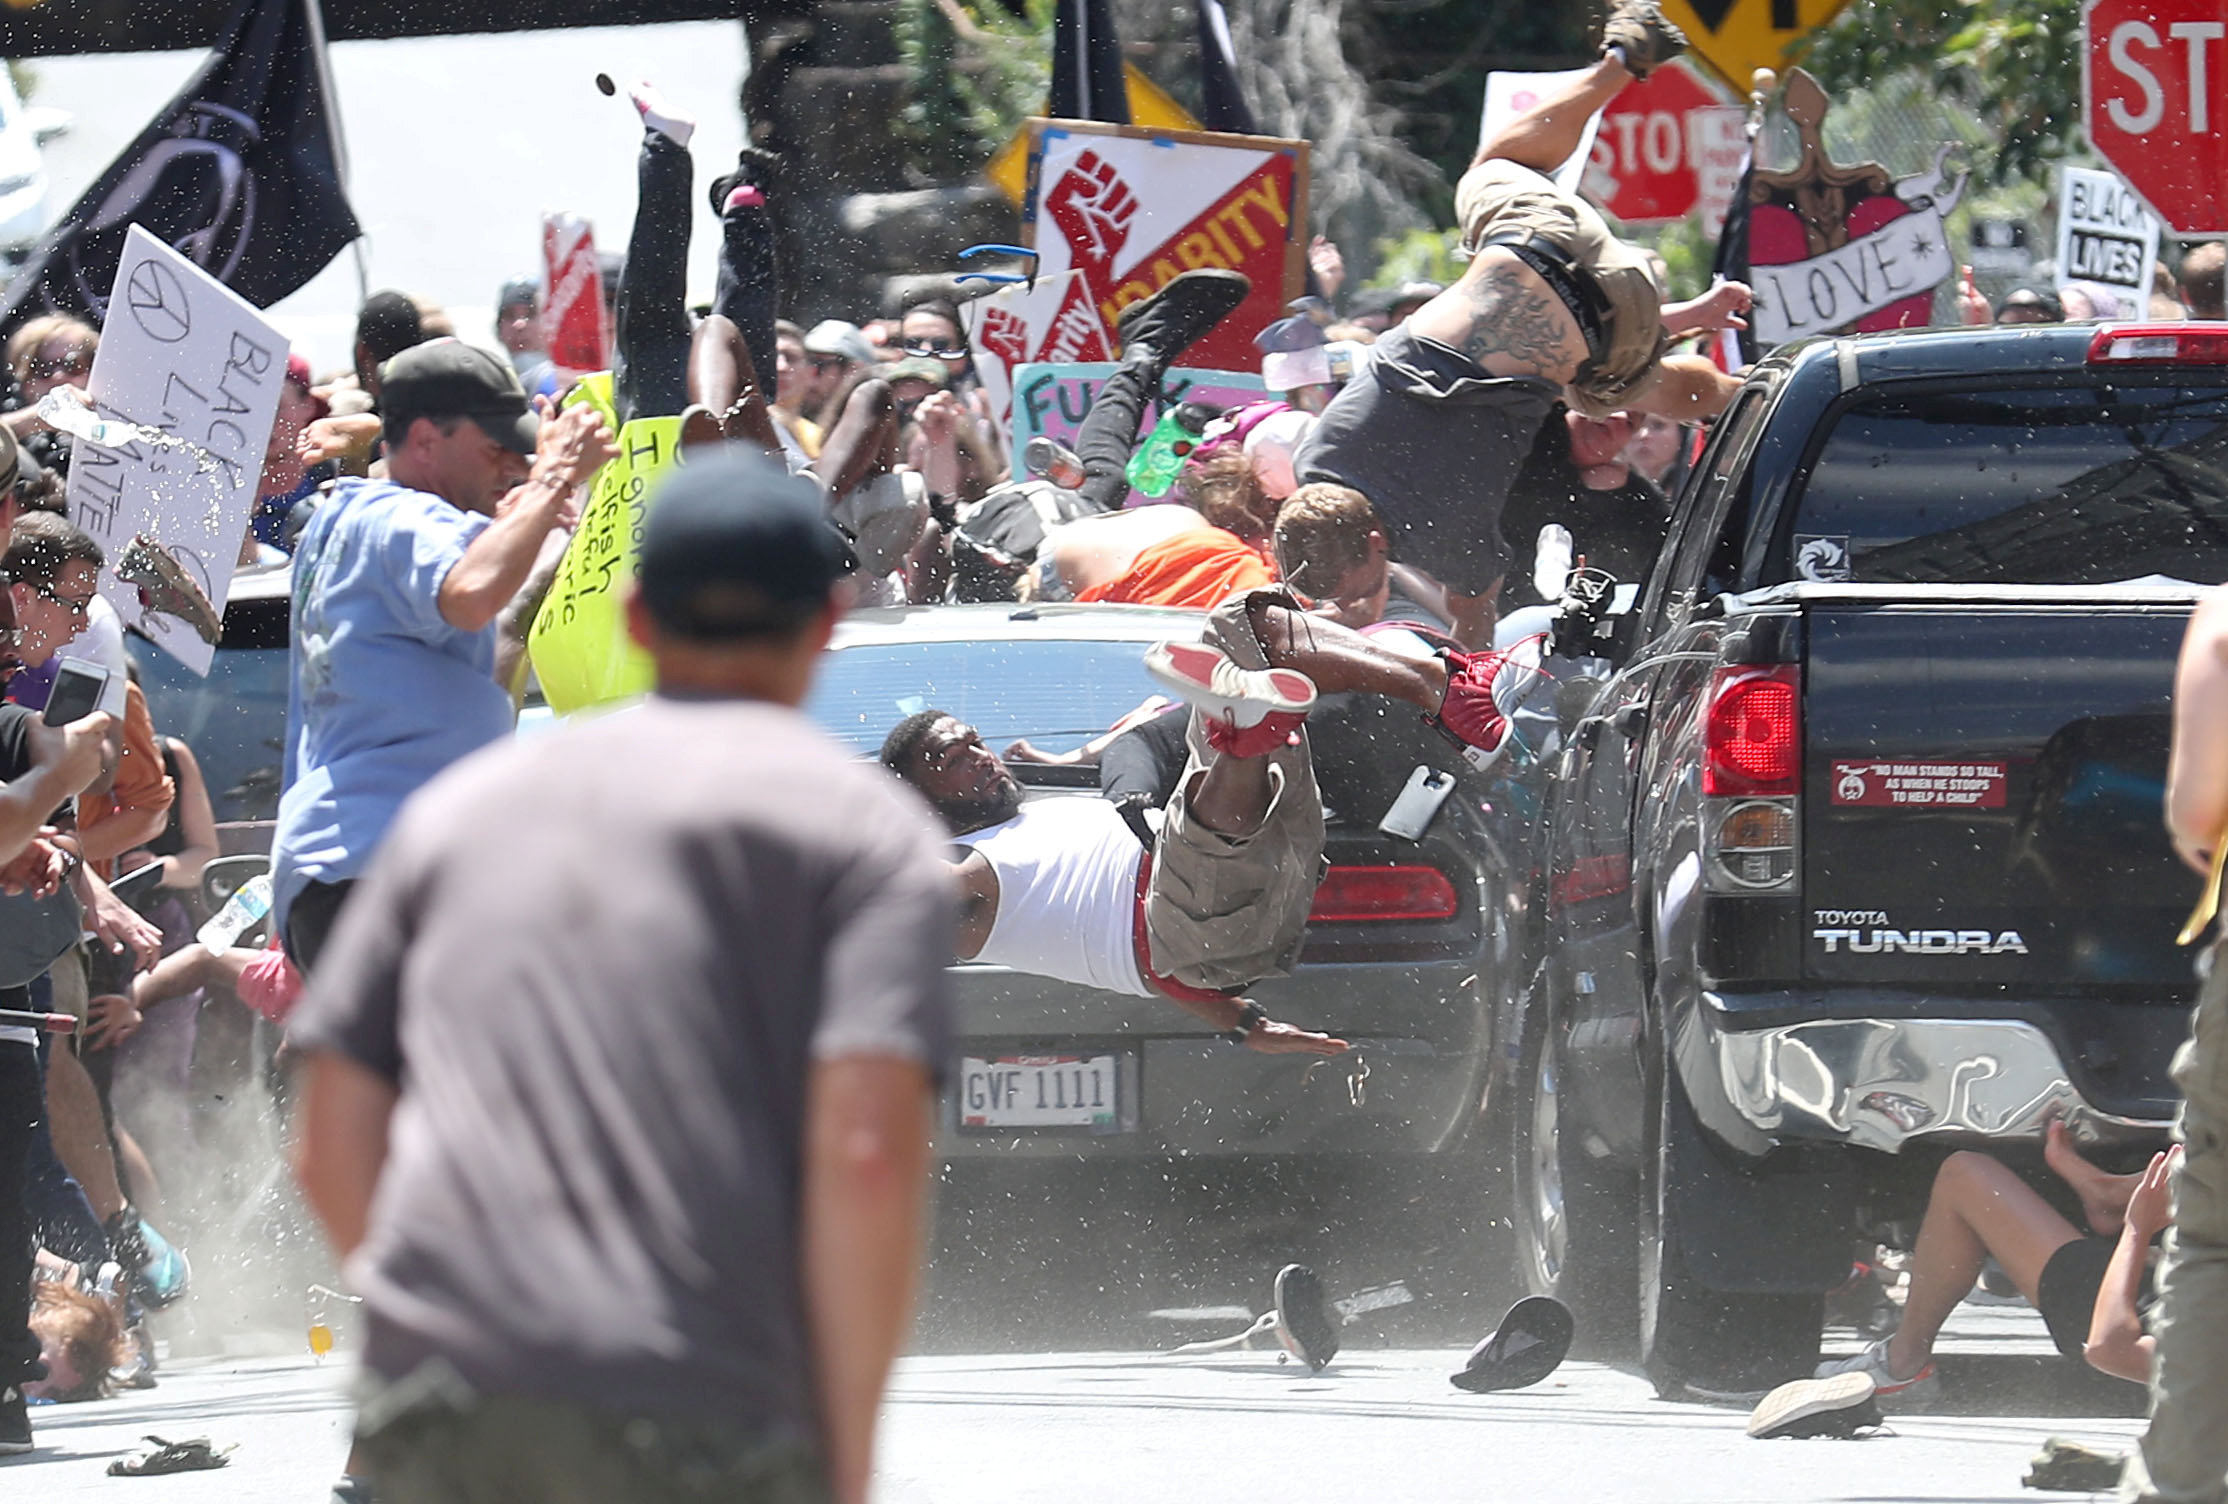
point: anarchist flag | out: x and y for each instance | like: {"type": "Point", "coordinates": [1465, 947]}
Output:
{"type": "Point", "coordinates": [1087, 81]}
{"type": "Point", "coordinates": [1734, 348]}
{"type": "Point", "coordinates": [1222, 104]}
{"type": "Point", "coordinates": [241, 173]}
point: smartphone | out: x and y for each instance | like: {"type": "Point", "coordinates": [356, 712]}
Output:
{"type": "Point", "coordinates": [77, 691]}
{"type": "Point", "coordinates": [1410, 815]}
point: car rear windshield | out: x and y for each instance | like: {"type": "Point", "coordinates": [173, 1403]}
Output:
{"type": "Point", "coordinates": [2042, 486]}
{"type": "Point", "coordinates": [1057, 694]}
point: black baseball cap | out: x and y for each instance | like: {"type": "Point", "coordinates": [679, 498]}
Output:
{"type": "Point", "coordinates": [735, 546]}
{"type": "Point", "coordinates": [447, 378]}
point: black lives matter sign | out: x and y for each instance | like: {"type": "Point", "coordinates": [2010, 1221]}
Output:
{"type": "Point", "coordinates": [2106, 238]}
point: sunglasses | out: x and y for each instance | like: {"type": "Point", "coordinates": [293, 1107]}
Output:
{"type": "Point", "coordinates": [76, 605]}
{"type": "Point", "coordinates": [69, 365]}
{"type": "Point", "coordinates": [935, 349]}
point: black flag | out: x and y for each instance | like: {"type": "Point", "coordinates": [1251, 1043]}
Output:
{"type": "Point", "coordinates": [1222, 104]}
{"type": "Point", "coordinates": [1733, 349]}
{"type": "Point", "coordinates": [240, 173]}
{"type": "Point", "coordinates": [1087, 81]}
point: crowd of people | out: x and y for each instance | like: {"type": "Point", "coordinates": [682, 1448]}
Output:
{"type": "Point", "coordinates": [533, 1249]}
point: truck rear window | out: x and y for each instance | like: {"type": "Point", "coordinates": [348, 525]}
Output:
{"type": "Point", "coordinates": [2050, 486]}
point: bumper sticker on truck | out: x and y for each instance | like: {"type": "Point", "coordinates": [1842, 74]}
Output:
{"type": "Point", "coordinates": [1919, 785]}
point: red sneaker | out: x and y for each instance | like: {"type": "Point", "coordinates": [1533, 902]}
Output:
{"type": "Point", "coordinates": [1481, 689]}
{"type": "Point", "coordinates": [1202, 676]}
{"type": "Point", "coordinates": [1258, 740]}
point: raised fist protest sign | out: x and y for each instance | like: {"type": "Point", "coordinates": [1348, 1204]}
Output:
{"type": "Point", "coordinates": [1125, 208]}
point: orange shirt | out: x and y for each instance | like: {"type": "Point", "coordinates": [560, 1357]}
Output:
{"type": "Point", "coordinates": [1202, 568]}
{"type": "Point", "coordinates": [141, 785]}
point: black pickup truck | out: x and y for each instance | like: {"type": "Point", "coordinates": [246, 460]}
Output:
{"type": "Point", "coordinates": [1851, 852]}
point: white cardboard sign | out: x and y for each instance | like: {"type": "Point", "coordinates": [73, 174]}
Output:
{"type": "Point", "coordinates": [183, 353]}
{"type": "Point", "coordinates": [2106, 238]}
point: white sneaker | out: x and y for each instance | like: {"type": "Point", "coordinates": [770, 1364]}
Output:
{"type": "Point", "coordinates": [659, 116]}
{"type": "Point", "coordinates": [1840, 1405]}
{"type": "Point", "coordinates": [1204, 677]}
{"type": "Point", "coordinates": [1918, 1392]}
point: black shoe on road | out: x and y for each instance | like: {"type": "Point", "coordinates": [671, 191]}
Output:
{"type": "Point", "coordinates": [15, 1421]}
{"type": "Point", "coordinates": [1186, 307]}
{"type": "Point", "coordinates": [1637, 28]}
{"type": "Point", "coordinates": [1529, 1344]}
{"type": "Point", "coordinates": [1303, 1315]}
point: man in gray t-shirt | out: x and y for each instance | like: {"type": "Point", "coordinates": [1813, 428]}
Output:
{"type": "Point", "coordinates": [620, 1063]}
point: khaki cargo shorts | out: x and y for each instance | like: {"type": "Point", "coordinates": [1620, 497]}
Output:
{"type": "Point", "coordinates": [1225, 911]}
{"type": "Point", "coordinates": [1499, 197]}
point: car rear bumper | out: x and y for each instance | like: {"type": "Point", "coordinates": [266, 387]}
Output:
{"type": "Point", "coordinates": [1410, 1084]}
{"type": "Point", "coordinates": [1879, 1082]}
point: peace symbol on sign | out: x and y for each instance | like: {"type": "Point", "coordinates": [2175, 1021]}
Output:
{"type": "Point", "coordinates": [157, 300]}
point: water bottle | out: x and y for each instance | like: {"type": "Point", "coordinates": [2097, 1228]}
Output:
{"type": "Point", "coordinates": [1158, 461]}
{"type": "Point", "coordinates": [242, 912]}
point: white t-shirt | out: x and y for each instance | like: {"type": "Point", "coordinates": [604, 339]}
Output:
{"type": "Point", "coordinates": [1067, 893]}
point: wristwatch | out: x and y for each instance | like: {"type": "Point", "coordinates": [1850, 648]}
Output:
{"type": "Point", "coordinates": [1249, 1018]}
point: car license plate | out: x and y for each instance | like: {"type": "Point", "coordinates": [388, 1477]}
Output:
{"type": "Point", "coordinates": [1040, 1091]}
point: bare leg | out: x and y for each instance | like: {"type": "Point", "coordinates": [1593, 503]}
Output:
{"type": "Point", "coordinates": [1232, 795]}
{"type": "Point", "coordinates": [80, 1137]}
{"type": "Point", "coordinates": [1543, 137]}
{"type": "Point", "coordinates": [2104, 1195]}
{"type": "Point", "coordinates": [722, 378]}
{"type": "Point", "coordinates": [1979, 1208]}
{"type": "Point", "coordinates": [863, 443]}
{"type": "Point", "coordinates": [1340, 659]}
{"type": "Point", "coordinates": [146, 1189]}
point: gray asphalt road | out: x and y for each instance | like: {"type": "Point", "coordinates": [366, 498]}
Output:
{"type": "Point", "coordinates": [1381, 1424]}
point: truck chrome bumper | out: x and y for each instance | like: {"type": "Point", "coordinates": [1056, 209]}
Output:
{"type": "Point", "coordinates": [1878, 1082]}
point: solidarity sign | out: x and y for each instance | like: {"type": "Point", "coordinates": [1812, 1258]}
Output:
{"type": "Point", "coordinates": [1125, 209]}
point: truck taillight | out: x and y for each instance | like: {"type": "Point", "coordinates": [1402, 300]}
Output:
{"type": "Point", "coordinates": [2160, 345]}
{"type": "Point", "coordinates": [1350, 894]}
{"type": "Point", "coordinates": [1752, 732]}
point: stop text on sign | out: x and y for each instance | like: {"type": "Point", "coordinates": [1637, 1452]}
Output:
{"type": "Point", "coordinates": [2154, 82]}
{"type": "Point", "coordinates": [2135, 49]}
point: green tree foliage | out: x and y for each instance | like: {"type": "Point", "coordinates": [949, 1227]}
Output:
{"type": "Point", "coordinates": [977, 72]}
{"type": "Point", "coordinates": [2015, 64]}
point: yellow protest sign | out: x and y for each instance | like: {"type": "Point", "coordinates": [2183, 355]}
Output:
{"type": "Point", "coordinates": [1149, 105]}
{"type": "Point", "coordinates": [1736, 37]}
{"type": "Point", "coordinates": [578, 642]}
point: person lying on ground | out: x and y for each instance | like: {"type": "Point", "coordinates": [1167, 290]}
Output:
{"type": "Point", "coordinates": [1067, 888]}
{"type": "Point", "coordinates": [81, 1339]}
{"type": "Point", "coordinates": [2090, 1287]}
{"type": "Point", "coordinates": [1552, 304]}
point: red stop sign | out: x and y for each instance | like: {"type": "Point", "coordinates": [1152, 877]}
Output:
{"type": "Point", "coordinates": [1642, 167]}
{"type": "Point", "coordinates": [2154, 91]}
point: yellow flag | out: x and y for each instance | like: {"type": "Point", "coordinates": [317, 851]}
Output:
{"type": "Point", "coordinates": [578, 642]}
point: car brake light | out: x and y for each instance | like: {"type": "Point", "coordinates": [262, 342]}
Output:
{"type": "Point", "coordinates": [2160, 345]}
{"type": "Point", "coordinates": [1752, 732]}
{"type": "Point", "coordinates": [1349, 894]}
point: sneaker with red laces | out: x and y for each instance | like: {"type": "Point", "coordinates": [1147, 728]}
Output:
{"type": "Point", "coordinates": [1920, 1391]}
{"type": "Point", "coordinates": [1249, 712]}
{"type": "Point", "coordinates": [1481, 690]}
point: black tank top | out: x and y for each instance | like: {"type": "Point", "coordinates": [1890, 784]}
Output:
{"type": "Point", "coordinates": [173, 837]}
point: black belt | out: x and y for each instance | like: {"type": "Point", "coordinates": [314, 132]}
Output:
{"type": "Point", "coordinates": [1573, 285]}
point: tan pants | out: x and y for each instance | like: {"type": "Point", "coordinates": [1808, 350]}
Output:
{"type": "Point", "coordinates": [1225, 911]}
{"type": "Point", "coordinates": [2183, 1456]}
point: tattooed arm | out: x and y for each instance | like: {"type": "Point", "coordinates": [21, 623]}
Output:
{"type": "Point", "coordinates": [1504, 317]}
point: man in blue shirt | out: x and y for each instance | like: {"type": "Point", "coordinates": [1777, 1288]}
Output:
{"type": "Point", "coordinates": [397, 587]}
